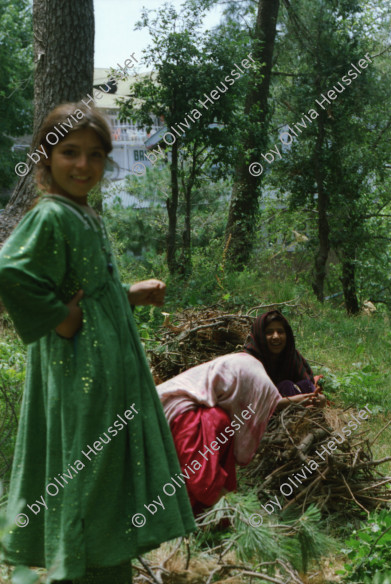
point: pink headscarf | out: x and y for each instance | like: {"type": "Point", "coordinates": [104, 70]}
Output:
{"type": "Point", "coordinates": [232, 382]}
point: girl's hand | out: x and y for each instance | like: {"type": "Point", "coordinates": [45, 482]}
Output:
{"type": "Point", "coordinates": [317, 399]}
{"type": "Point", "coordinates": [69, 327]}
{"type": "Point", "coordinates": [308, 400]}
{"type": "Point", "coordinates": [147, 292]}
{"type": "Point", "coordinates": [323, 400]}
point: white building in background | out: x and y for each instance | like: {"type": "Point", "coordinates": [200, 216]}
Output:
{"type": "Point", "coordinates": [128, 140]}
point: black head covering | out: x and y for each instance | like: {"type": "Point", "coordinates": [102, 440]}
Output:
{"type": "Point", "coordinates": [290, 363]}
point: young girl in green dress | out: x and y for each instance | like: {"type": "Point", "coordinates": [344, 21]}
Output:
{"type": "Point", "coordinates": [93, 444]}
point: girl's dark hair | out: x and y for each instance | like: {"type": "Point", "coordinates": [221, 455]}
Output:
{"type": "Point", "coordinates": [69, 113]}
{"type": "Point", "coordinates": [275, 316]}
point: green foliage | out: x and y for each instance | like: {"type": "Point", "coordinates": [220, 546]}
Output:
{"type": "Point", "coordinates": [16, 84]}
{"type": "Point", "coordinates": [138, 237]}
{"type": "Point", "coordinates": [12, 363]}
{"type": "Point", "coordinates": [12, 374]}
{"type": "Point", "coordinates": [140, 231]}
{"type": "Point", "coordinates": [253, 543]}
{"type": "Point", "coordinates": [292, 537]}
{"type": "Point", "coordinates": [369, 551]}
{"type": "Point", "coordinates": [310, 541]}
{"type": "Point", "coordinates": [343, 152]}
{"type": "Point", "coordinates": [360, 386]}
{"type": "Point", "coordinates": [188, 65]}
{"type": "Point", "coordinates": [352, 354]}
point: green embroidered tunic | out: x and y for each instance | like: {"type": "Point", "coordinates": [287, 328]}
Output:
{"type": "Point", "coordinates": [93, 446]}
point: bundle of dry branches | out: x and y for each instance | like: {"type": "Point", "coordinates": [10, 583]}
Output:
{"type": "Point", "coordinates": [295, 459]}
{"type": "Point", "coordinates": [200, 335]}
{"type": "Point", "coordinates": [197, 337]}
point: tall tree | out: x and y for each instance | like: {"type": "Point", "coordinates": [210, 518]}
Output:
{"type": "Point", "coordinates": [334, 111]}
{"type": "Point", "coordinates": [64, 68]}
{"type": "Point", "coordinates": [245, 195]}
{"type": "Point", "coordinates": [189, 68]}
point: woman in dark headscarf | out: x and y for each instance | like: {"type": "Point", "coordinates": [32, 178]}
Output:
{"type": "Point", "coordinates": [272, 342]}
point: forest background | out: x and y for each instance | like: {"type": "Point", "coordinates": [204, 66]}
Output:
{"type": "Point", "coordinates": [313, 228]}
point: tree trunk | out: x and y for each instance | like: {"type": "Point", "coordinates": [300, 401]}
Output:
{"type": "Point", "coordinates": [187, 187]}
{"type": "Point", "coordinates": [348, 280]}
{"type": "Point", "coordinates": [185, 261]}
{"type": "Point", "coordinates": [323, 224]}
{"type": "Point", "coordinates": [64, 69]}
{"type": "Point", "coordinates": [172, 206]}
{"type": "Point", "coordinates": [244, 204]}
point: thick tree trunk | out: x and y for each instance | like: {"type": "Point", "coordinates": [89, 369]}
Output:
{"type": "Point", "coordinates": [348, 280]}
{"type": "Point", "coordinates": [64, 69]}
{"type": "Point", "coordinates": [172, 206]}
{"type": "Point", "coordinates": [244, 204]}
{"type": "Point", "coordinates": [323, 224]}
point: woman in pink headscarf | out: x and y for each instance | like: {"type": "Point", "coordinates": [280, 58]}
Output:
{"type": "Point", "coordinates": [218, 412]}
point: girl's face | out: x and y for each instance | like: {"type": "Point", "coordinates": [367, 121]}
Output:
{"type": "Point", "coordinates": [275, 337]}
{"type": "Point", "coordinates": [77, 164]}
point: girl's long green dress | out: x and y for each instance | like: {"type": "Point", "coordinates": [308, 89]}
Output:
{"type": "Point", "coordinates": [93, 446]}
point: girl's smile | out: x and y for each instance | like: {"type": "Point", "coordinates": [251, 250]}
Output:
{"type": "Point", "coordinates": [77, 164]}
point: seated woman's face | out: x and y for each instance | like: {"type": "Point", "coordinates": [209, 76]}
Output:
{"type": "Point", "coordinates": [275, 337]}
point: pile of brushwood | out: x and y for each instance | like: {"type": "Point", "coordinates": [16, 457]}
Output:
{"type": "Point", "coordinates": [197, 336]}
{"type": "Point", "coordinates": [320, 457]}
{"type": "Point", "coordinates": [308, 456]}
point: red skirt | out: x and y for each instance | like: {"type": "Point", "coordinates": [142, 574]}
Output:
{"type": "Point", "coordinates": [193, 431]}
